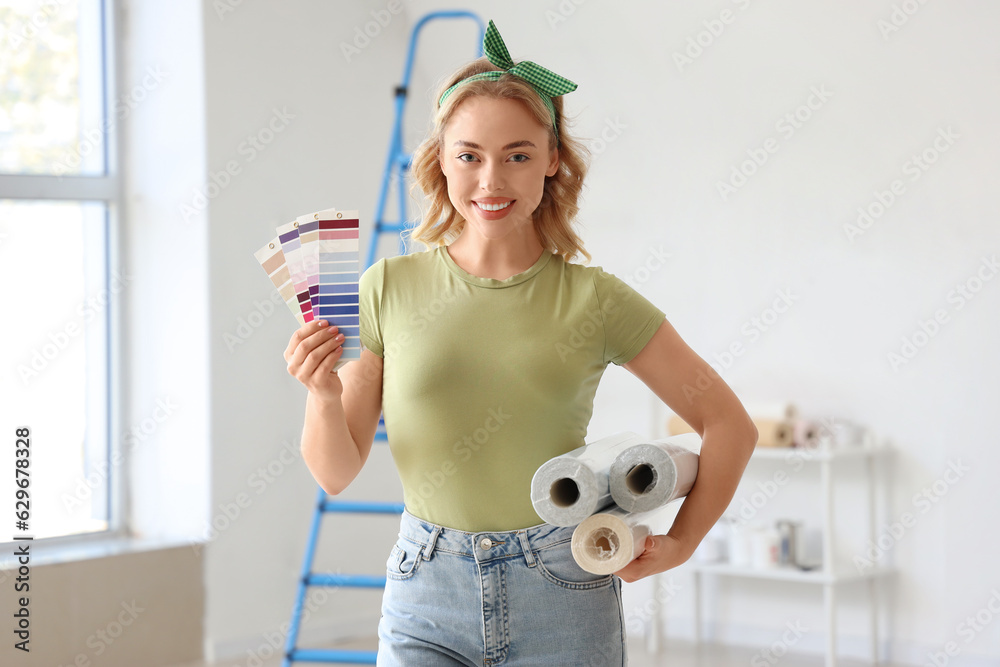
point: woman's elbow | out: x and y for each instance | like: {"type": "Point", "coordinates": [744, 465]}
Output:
{"type": "Point", "coordinates": [738, 429]}
{"type": "Point", "coordinates": [332, 490]}
{"type": "Point", "coordinates": [332, 485]}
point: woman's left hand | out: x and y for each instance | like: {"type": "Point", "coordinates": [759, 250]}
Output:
{"type": "Point", "coordinates": [662, 553]}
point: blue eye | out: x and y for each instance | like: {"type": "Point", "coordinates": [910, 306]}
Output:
{"type": "Point", "coordinates": [461, 158]}
{"type": "Point", "coordinates": [524, 158]}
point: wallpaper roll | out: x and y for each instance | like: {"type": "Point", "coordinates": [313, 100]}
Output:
{"type": "Point", "coordinates": [608, 541]}
{"type": "Point", "coordinates": [652, 474]}
{"type": "Point", "coordinates": [773, 433]}
{"type": "Point", "coordinates": [806, 433]}
{"type": "Point", "coordinates": [776, 410]}
{"type": "Point", "coordinates": [567, 489]}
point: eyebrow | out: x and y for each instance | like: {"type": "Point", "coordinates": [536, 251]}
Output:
{"type": "Point", "coordinates": [514, 144]}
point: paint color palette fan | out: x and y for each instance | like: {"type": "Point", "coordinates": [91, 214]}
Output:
{"type": "Point", "coordinates": [314, 262]}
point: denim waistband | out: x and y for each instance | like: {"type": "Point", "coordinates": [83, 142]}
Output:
{"type": "Point", "coordinates": [484, 545]}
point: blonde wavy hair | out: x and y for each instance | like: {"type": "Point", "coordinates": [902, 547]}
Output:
{"type": "Point", "coordinates": [441, 223]}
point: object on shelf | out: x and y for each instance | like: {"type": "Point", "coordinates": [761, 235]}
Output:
{"type": "Point", "coordinates": [777, 410]}
{"type": "Point", "coordinates": [773, 433]}
{"type": "Point", "coordinates": [806, 433]}
{"type": "Point", "coordinates": [789, 532]}
{"type": "Point", "coordinates": [739, 545]}
{"type": "Point", "coordinates": [779, 425]}
{"type": "Point", "coordinates": [677, 426]}
{"type": "Point", "coordinates": [840, 432]}
{"type": "Point", "coordinates": [775, 423]}
{"type": "Point", "coordinates": [809, 554]}
{"type": "Point", "coordinates": [830, 432]}
{"type": "Point", "coordinates": [770, 432]}
{"type": "Point", "coordinates": [765, 547]}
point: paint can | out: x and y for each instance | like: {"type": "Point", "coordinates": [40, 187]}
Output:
{"type": "Point", "coordinates": [765, 547]}
{"type": "Point", "coordinates": [789, 532]}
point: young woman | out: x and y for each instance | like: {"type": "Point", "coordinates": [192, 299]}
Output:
{"type": "Point", "coordinates": [484, 354]}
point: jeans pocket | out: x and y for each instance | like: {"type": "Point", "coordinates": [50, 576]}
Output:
{"type": "Point", "coordinates": [404, 559]}
{"type": "Point", "coordinates": [556, 563]}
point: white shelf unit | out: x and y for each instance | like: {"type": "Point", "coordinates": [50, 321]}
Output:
{"type": "Point", "coordinates": [830, 575]}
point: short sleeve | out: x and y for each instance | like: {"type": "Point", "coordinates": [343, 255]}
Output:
{"type": "Point", "coordinates": [630, 319]}
{"type": "Point", "coordinates": [370, 303]}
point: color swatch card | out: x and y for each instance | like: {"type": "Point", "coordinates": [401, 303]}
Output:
{"type": "Point", "coordinates": [314, 262]}
{"type": "Point", "coordinates": [273, 260]}
{"type": "Point", "coordinates": [298, 269]}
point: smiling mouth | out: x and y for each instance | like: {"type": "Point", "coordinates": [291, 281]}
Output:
{"type": "Point", "coordinates": [494, 207]}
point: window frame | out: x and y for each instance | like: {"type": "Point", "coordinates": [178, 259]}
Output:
{"type": "Point", "coordinates": [103, 421]}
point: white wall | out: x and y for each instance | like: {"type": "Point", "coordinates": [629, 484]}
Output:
{"type": "Point", "coordinates": [675, 132]}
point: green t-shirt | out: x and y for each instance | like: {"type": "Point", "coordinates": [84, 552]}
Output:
{"type": "Point", "coordinates": [484, 380]}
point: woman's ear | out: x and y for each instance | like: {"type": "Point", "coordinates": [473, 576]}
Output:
{"type": "Point", "coordinates": [553, 163]}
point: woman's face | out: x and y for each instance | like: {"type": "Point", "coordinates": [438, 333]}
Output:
{"type": "Point", "coordinates": [496, 156]}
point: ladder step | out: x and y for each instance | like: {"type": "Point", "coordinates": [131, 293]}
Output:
{"type": "Point", "coordinates": [333, 655]}
{"type": "Point", "coordinates": [346, 580]}
{"type": "Point", "coordinates": [368, 507]}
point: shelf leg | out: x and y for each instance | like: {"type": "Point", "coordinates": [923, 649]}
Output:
{"type": "Point", "coordinates": [829, 596]}
{"type": "Point", "coordinates": [872, 581]}
{"type": "Point", "coordinates": [873, 594]}
{"type": "Point", "coordinates": [829, 539]}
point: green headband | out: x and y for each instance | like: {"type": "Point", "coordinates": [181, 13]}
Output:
{"type": "Point", "coordinates": [546, 83]}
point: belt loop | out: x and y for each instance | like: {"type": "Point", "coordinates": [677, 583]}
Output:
{"type": "Point", "coordinates": [432, 541]}
{"type": "Point", "coordinates": [526, 548]}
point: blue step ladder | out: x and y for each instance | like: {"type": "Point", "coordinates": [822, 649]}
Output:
{"type": "Point", "coordinates": [396, 167]}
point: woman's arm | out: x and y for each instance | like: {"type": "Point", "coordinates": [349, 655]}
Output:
{"type": "Point", "coordinates": [692, 389]}
{"type": "Point", "coordinates": [342, 409]}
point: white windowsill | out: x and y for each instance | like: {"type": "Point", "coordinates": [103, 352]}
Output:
{"type": "Point", "coordinates": [54, 551]}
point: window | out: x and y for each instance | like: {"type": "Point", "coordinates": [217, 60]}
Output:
{"type": "Point", "coordinates": [58, 207]}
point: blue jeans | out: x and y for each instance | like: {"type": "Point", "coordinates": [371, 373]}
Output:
{"type": "Point", "coordinates": [496, 598]}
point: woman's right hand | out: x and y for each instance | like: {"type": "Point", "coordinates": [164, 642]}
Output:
{"type": "Point", "coordinates": [311, 354]}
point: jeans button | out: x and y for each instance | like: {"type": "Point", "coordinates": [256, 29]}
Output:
{"type": "Point", "coordinates": [485, 543]}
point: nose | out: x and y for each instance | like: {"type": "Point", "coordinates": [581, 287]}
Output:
{"type": "Point", "coordinates": [491, 178]}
